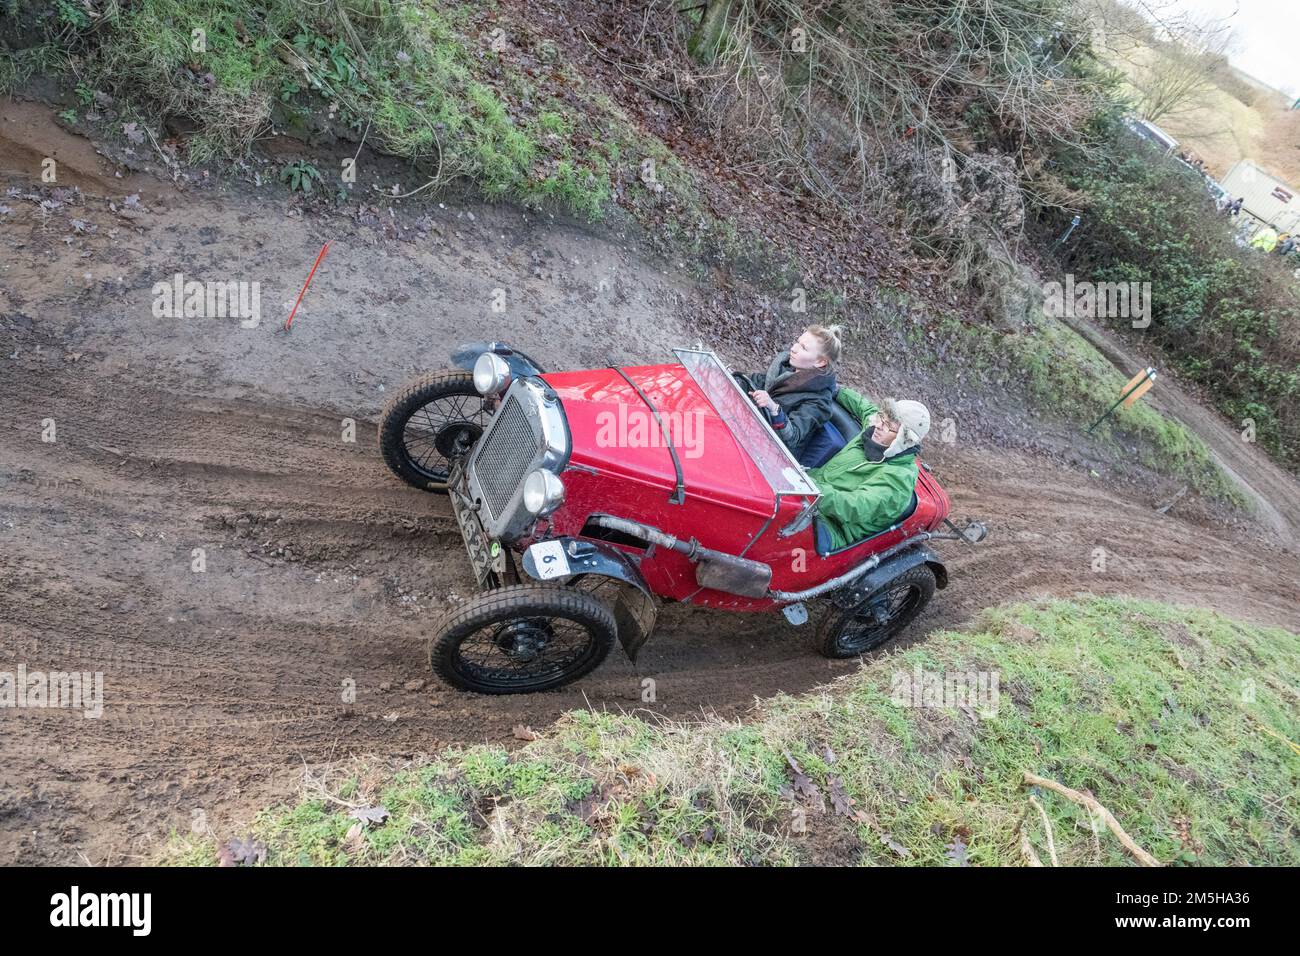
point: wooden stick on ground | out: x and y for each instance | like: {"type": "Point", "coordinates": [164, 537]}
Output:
{"type": "Point", "coordinates": [1027, 850]}
{"type": "Point", "coordinates": [1142, 856]}
{"type": "Point", "coordinates": [1164, 508]}
{"type": "Point", "coordinates": [1047, 826]}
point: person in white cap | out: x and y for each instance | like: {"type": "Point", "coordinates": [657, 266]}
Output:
{"type": "Point", "coordinates": [869, 482]}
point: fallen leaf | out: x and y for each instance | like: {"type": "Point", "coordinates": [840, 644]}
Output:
{"type": "Point", "coordinates": [888, 840]}
{"type": "Point", "coordinates": [237, 852]}
{"type": "Point", "coordinates": [802, 783]}
{"type": "Point", "coordinates": [369, 814]}
{"type": "Point", "coordinates": [840, 799]}
{"type": "Point", "coordinates": [957, 852]}
{"type": "Point", "coordinates": [587, 808]}
{"type": "Point", "coordinates": [354, 839]}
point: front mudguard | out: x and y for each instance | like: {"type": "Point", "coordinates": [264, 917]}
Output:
{"type": "Point", "coordinates": [521, 366]}
{"type": "Point", "coordinates": [636, 609]}
{"type": "Point", "coordinates": [852, 594]}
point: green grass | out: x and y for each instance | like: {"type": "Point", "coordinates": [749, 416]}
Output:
{"type": "Point", "coordinates": [1175, 719]}
{"type": "Point", "coordinates": [420, 82]}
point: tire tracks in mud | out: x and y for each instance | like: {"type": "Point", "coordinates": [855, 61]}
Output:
{"type": "Point", "coordinates": [322, 568]}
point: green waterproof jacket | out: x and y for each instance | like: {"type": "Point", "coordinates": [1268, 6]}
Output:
{"type": "Point", "coordinates": [861, 497]}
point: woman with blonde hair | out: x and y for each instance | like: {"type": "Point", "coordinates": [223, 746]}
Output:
{"type": "Point", "coordinates": [798, 389]}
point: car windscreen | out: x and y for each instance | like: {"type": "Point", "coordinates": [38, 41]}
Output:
{"type": "Point", "coordinates": [747, 422]}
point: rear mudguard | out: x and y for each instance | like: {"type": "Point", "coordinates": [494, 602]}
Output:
{"type": "Point", "coordinates": [521, 366]}
{"type": "Point", "coordinates": [636, 609]}
{"type": "Point", "coordinates": [853, 593]}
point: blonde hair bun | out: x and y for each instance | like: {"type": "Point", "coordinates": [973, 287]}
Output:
{"type": "Point", "coordinates": [829, 337]}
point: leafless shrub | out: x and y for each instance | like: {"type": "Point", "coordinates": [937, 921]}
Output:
{"type": "Point", "coordinates": [826, 85]}
{"type": "Point", "coordinates": [968, 218]}
{"type": "Point", "coordinates": [925, 110]}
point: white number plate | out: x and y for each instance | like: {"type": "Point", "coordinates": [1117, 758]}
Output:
{"type": "Point", "coordinates": [549, 559]}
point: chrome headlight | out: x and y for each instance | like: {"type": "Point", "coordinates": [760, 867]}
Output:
{"type": "Point", "coordinates": [543, 492]}
{"type": "Point", "coordinates": [491, 374]}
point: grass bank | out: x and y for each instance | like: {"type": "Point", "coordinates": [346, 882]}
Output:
{"type": "Point", "coordinates": [1178, 721]}
{"type": "Point", "coordinates": [459, 90]}
{"type": "Point", "coordinates": [471, 94]}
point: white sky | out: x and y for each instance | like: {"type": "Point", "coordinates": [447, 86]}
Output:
{"type": "Point", "coordinates": [1266, 34]}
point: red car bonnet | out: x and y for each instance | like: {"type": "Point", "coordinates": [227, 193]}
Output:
{"type": "Point", "coordinates": [616, 434]}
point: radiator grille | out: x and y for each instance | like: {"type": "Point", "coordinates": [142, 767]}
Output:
{"type": "Point", "coordinates": [506, 457]}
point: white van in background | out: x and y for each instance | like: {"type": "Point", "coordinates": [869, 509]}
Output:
{"type": "Point", "coordinates": [1268, 200]}
{"type": "Point", "coordinates": [1153, 134]}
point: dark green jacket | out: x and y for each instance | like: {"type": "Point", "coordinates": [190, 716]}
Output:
{"type": "Point", "coordinates": [805, 397]}
{"type": "Point", "coordinates": [861, 497]}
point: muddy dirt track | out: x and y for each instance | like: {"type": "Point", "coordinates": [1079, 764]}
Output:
{"type": "Point", "coordinates": [175, 435]}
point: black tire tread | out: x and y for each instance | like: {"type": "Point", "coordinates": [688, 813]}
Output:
{"type": "Point", "coordinates": [521, 600]}
{"type": "Point", "coordinates": [398, 410]}
{"type": "Point", "coordinates": [828, 630]}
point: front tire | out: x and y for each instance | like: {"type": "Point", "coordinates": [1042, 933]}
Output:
{"type": "Point", "coordinates": [427, 423]}
{"type": "Point", "coordinates": [877, 618]}
{"type": "Point", "coordinates": [522, 639]}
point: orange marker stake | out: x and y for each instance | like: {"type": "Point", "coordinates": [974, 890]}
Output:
{"type": "Point", "coordinates": [1133, 389]}
{"type": "Point", "coordinates": [1141, 390]}
{"type": "Point", "coordinates": [289, 321]}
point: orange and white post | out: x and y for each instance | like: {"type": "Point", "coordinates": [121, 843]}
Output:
{"type": "Point", "coordinates": [1133, 389]}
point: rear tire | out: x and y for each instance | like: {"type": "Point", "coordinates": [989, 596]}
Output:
{"type": "Point", "coordinates": [420, 425]}
{"type": "Point", "coordinates": [878, 617]}
{"type": "Point", "coordinates": [522, 639]}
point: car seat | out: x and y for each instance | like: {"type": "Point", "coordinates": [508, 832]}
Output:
{"type": "Point", "coordinates": [830, 438]}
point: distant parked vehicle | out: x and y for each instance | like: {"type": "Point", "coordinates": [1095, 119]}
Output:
{"type": "Point", "coordinates": [1152, 134]}
{"type": "Point", "coordinates": [1267, 198]}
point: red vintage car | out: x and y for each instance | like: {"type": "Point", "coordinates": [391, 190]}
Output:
{"type": "Point", "coordinates": [587, 498]}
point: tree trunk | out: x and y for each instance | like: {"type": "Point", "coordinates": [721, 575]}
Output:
{"type": "Point", "coordinates": [707, 38]}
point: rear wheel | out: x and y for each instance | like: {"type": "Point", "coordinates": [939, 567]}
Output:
{"type": "Point", "coordinates": [522, 638]}
{"type": "Point", "coordinates": [877, 617]}
{"type": "Point", "coordinates": [428, 423]}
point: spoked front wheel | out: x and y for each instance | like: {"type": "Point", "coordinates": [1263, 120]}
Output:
{"type": "Point", "coordinates": [430, 422]}
{"type": "Point", "coordinates": [521, 639]}
{"type": "Point", "coordinates": [848, 632]}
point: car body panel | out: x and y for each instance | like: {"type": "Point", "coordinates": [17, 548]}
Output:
{"type": "Point", "coordinates": [618, 435]}
{"type": "Point", "coordinates": [620, 465]}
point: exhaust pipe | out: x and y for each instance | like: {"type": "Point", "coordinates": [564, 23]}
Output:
{"type": "Point", "coordinates": [869, 565]}
{"type": "Point", "coordinates": [726, 572]}
{"type": "Point", "coordinates": [713, 569]}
